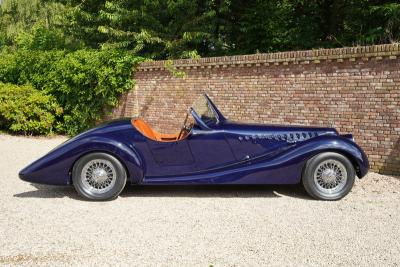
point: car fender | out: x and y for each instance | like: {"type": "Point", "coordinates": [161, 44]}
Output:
{"type": "Point", "coordinates": [303, 151]}
{"type": "Point", "coordinates": [55, 167]}
{"type": "Point", "coordinates": [126, 153]}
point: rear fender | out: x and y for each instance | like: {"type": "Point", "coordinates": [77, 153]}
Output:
{"type": "Point", "coordinates": [55, 167]}
{"type": "Point", "coordinates": [127, 154]}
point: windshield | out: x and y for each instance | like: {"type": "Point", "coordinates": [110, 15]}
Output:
{"type": "Point", "coordinates": [203, 109]}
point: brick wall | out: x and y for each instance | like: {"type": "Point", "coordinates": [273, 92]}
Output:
{"type": "Point", "coordinates": [353, 89]}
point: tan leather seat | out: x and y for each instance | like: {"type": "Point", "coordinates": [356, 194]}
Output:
{"type": "Point", "coordinates": [150, 133]}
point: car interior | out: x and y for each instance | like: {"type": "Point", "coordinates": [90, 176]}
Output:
{"type": "Point", "coordinates": [145, 129]}
{"type": "Point", "coordinates": [203, 113]}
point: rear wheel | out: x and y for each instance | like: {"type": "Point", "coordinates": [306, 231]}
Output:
{"type": "Point", "coordinates": [99, 176]}
{"type": "Point", "coordinates": [328, 176]}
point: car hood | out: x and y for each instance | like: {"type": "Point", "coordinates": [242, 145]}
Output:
{"type": "Point", "coordinates": [253, 128]}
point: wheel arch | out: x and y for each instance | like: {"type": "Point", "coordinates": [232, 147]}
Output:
{"type": "Point", "coordinates": [129, 158]}
{"type": "Point", "coordinates": [342, 152]}
{"type": "Point", "coordinates": [336, 144]}
{"type": "Point", "coordinates": [351, 158]}
{"type": "Point", "coordinates": [97, 151]}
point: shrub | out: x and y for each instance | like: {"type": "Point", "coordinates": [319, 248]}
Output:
{"type": "Point", "coordinates": [26, 110]}
{"type": "Point", "coordinates": [86, 83]}
{"type": "Point", "coordinates": [26, 66]}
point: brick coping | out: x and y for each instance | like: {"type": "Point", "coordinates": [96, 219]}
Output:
{"type": "Point", "coordinates": [376, 52]}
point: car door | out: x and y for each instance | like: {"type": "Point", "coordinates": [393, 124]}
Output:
{"type": "Point", "coordinates": [210, 149]}
{"type": "Point", "coordinates": [201, 151]}
{"type": "Point", "coordinates": [169, 158]}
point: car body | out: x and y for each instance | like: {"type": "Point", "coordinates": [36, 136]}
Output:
{"type": "Point", "coordinates": [211, 150]}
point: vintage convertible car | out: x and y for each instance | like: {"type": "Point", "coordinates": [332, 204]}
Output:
{"type": "Point", "coordinates": [208, 150]}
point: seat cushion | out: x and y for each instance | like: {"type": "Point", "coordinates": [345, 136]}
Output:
{"type": "Point", "coordinates": [150, 133]}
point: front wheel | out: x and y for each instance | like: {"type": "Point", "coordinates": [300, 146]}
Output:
{"type": "Point", "coordinates": [328, 176]}
{"type": "Point", "coordinates": [99, 176]}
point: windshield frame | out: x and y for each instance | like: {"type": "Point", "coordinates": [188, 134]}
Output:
{"type": "Point", "coordinates": [199, 119]}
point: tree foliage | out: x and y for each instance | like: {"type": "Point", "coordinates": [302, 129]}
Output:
{"type": "Point", "coordinates": [80, 53]}
{"type": "Point", "coordinates": [186, 28]}
{"type": "Point", "coordinates": [33, 24]}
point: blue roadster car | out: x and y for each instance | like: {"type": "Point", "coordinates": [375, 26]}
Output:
{"type": "Point", "coordinates": [209, 149]}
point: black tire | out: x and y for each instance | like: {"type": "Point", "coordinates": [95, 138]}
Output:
{"type": "Point", "coordinates": [333, 168]}
{"type": "Point", "coordinates": [103, 170]}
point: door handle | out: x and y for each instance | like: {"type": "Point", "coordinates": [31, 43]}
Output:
{"type": "Point", "coordinates": [247, 157]}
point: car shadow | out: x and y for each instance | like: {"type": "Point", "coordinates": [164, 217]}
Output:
{"type": "Point", "coordinates": [49, 191]}
{"type": "Point", "coordinates": [216, 191]}
{"type": "Point", "coordinates": [195, 191]}
{"type": "Point", "coordinates": [392, 160]}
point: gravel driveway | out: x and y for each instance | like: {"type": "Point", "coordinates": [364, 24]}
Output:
{"type": "Point", "coordinates": [192, 226]}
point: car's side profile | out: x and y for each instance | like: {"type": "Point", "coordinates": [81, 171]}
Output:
{"type": "Point", "coordinates": [208, 150]}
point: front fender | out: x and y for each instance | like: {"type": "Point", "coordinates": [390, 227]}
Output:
{"type": "Point", "coordinates": [340, 144]}
{"type": "Point", "coordinates": [55, 167]}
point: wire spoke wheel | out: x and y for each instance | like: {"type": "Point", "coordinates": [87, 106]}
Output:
{"type": "Point", "coordinates": [98, 176]}
{"type": "Point", "coordinates": [330, 176]}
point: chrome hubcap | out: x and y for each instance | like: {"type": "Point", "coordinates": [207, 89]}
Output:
{"type": "Point", "coordinates": [330, 176]}
{"type": "Point", "coordinates": [98, 176]}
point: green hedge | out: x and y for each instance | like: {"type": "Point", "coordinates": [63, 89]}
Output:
{"type": "Point", "coordinates": [26, 110]}
{"type": "Point", "coordinates": [85, 83]}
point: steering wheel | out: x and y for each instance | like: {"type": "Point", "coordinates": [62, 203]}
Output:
{"type": "Point", "coordinates": [184, 127]}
